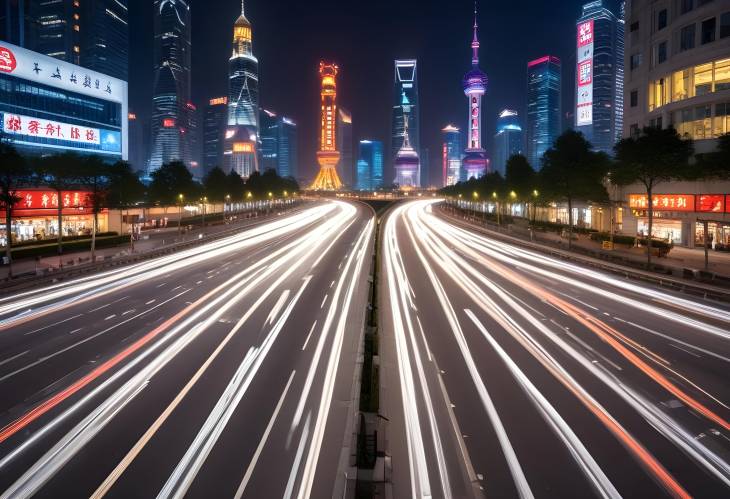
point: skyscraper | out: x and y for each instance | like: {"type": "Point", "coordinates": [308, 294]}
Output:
{"type": "Point", "coordinates": [214, 126]}
{"type": "Point", "coordinates": [370, 165]}
{"type": "Point", "coordinates": [242, 133]}
{"type": "Point", "coordinates": [93, 33]}
{"type": "Point", "coordinates": [507, 140]}
{"type": "Point", "coordinates": [543, 107]}
{"type": "Point", "coordinates": [171, 91]}
{"type": "Point", "coordinates": [345, 145]}
{"type": "Point", "coordinates": [328, 156]}
{"type": "Point", "coordinates": [278, 144]}
{"type": "Point", "coordinates": [407, 162]}
{"type": "Point", "coordinates": [599, 76]}
{"type": "Point", "coordinates": [137, 142]}
{"type": "Point", "coordinates": [405, 93]}
{"type": "Point", "coordinates": [451, 150]}
{"type": "Point", "coordinates": [475, 86]}
{"type": "Point", "coordinates": [16, 23]}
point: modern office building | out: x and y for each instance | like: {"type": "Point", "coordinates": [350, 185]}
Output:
{"type": "Point", "coordinates": [407, 162]}
{"type": "Point", "coordinates": [171, 90]}
{"type": "Point", "coordinates": [138, 135]}
{"type": "Point", "coordinates": [599, 75]}
{"type": "Point", "coordinates": [369, 165]}
{"type": "Point", "coordinates": [215, 120]}
{"type": "Point", "coordinates": [345, 144]}
{"type": "Point", "coordinates": [50, 106]}
{"type": "Point", "coordinates": [242, 133]}
{"type": "Point", "coordinates": [507, 140]}
{"type": "Point", "coordinates": [405, 95]}
{"type": "Point", "coordinates": [90, 33]}
{"type": "Point", "coordinates": [451, 150]}
{"type": "Point", "coordinates": [328, 156]}
{"type": "Point", "coordinates": [194, 141]}
{"type": "Point", "coordinates": [544, 107]}
{"type": "Point", "coordinates": [475, 86]}
{"type": "Point", "coordinates": [278, 144]}
{"type": "Point", "coordinates": [678, 69]}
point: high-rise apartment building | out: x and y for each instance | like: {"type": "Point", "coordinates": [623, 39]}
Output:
{"type": "Point", "coordinates": [369, 165]}
{"type": "Point", "coordinates": [451, 151]}
{"type": "Point", "coordinates": [599, 75]}
{"type": "Point", "coordinates": [278, 144]}
{"type": "Point", "coordinates": [507, 140]}
{"type": "Point", "coordinates": [544, 107]}
{"type": "Point", "coordinates": [405, 95]}
{"type": "Point", "coordinates": [171, 80]}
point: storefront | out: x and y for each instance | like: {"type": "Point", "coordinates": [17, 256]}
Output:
{"type": "Point", "coordinates": [35, 217]}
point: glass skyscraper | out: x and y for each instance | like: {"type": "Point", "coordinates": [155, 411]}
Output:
{"type": "Point", "coordinates": [171, 91]}
{"type": "Point", "coordinates": [599, 75]}
{"type": "Point", "coordinates": [507, 140]}
{"type": "Point", "coordinates": [345, 145]}
{"type": "Point", "coordinates": [544, 107]}
{"type": "Point", "coordinates": [451, 151]}
{"type": "Point", "coordinates": [278, 144]}
{"type": "Point", "coordinates": [405, 96]}
{"type": "Point", "coordinates": [214, 126]}
{"type": "Point", "coordinates": [370, 165]}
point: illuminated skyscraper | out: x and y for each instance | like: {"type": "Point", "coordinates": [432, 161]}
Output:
{"type": "Point", "coordinates": [328, 156]}
{"type": "Point", "coordinates": [600, 76]}
{"type": "Point", "coordinates": [346, 168]}
{"type": "Point", "coordinates": [370, 165]}
{"type": "Point", "coordinates": [242, 133]}
{"type": "Point", "coordinates": [214, 126]}
{"type": "Point", "coordinates": [407, 163]}
{"type": "Point", "coordinates": [278, 144]}
{"type": "Point", "coordinates": [171, 91]}
{"type": "Point", "coordinates": [544, 112]}
{"type": "Point", "coordinates": [475, 86]}
{"type": "Point", "coordinates": [405, 93]}
{"type": "Point", "coordinates": [507, 140]}
{"type": "Point", "coordinates": [451, 150]}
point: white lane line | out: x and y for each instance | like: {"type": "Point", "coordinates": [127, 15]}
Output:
{"type": "Point", "coordinates": [198, 282]}
{"type": "Point", "coordinates": [110, 317]}
{"type": "Point", "coordinates": [131, 310]}
{"type": "Point", "coordinates": [160, 285]}
{"type": "Point", "coordinates": [75, 330]}
{"type": "Point", "coordinates": [264, 438]}
{"type": "Point", "coordinates": [176, 288]}
{"type": "Point", "coordinates": [277, 307]}
{"type": "Point", "coordinates": [297, 460]}
{"type": "Point", "coordinates": [54, 324]}
{"type": "Point", "coordinates": [99, 308]}
{"type": "Point", "coordinates": [150, 302]}
{"type": "Point", "coordinates": [332, 284]}
{"type": "Point", "coordinates": [309, 335]}
{"type": "Point", "coordinates": [323, 301]}
{"type": "Point", "coordinates": [10, 359]}
{"type": "Point", "coordinates": [685, 350]}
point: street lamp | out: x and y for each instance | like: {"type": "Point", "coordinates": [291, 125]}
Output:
{"type": "Point", "coordinates": [535, 195]}
{"type": "Point", "coordinates": [475, 195]}
{"type": "Point", "coordinates": [180, 198]}
{"type": "Point", "coordinates": [228, 202]}
{"type": "Point", "coordinates": [496, 206]}
{"type": "Point", "coordinates": [205, 201]}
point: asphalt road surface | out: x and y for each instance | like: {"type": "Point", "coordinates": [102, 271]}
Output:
{"type": "Point", "coordinates": [508, 373]}
{"type": "Point", "coordinates": [225, 370]}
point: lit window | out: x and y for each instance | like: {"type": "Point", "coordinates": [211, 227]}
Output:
{"type": "Point", "coordinates": [703, 79]}
{"type": "Point", "coordinates": [680, 85]}
{"type": "Point", "coordinates": [722, 75]}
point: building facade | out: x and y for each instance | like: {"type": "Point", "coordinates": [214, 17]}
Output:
{"type": "Point", "coordinates": [50, 106]}
{"type": "Point", "coordinates": [407, 161]}
{"type": "Point", "coordinates": [405, 94]}
{"type": "Point", "coordinates": [369, 165]}
{"type": "Point", "coordinates": [508, 140]}
{"type": "Point", "coordinates": [475, 86]}
{"type": "Point", "coordinates": [451, 150]}
{"type": "Point", "coordinates": [278, 144]}
{"type": "Point", "coordinates": [544, 107]}
{"type": "Point", "coordinates": [600, 75]}
{"type": "Point", "coordinates": [16, 22]}
{"type": "Point", "coordinates": [171, 80]}
{"type": "Point", "coordinates": [678, 68]}
{"type": "Point", "coordinates": [138, 135]}
{"type": "Point", "coordinates": [215, 119]}
{"type": "Point", "coordinates": [345, 144]}
{"type": "Point", "coordinates": [328, 157]}
{"type": "Point", "coordinates": [242, 133]}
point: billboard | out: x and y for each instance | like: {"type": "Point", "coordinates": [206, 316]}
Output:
{"type": "Point", "coordinates": [663, 202]}
{"type": "Point", "coordinates": [711, 203]}
{"type": "Point", "coordinates": [584, 74]}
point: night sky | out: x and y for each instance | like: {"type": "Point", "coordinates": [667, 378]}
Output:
{"type": "Point", "coordinates": [364, 37]}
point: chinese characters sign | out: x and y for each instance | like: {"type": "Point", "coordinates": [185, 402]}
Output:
{"type": "Point", "coordinates": [663, 202]}
{"type": "Point", "coordinates": [16, 124]}
{"type": "Point", "coordinates": [584, 74]}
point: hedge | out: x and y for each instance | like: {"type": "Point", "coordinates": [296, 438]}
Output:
{"type": "Point", "coordinates": [68, 247]}
{"type": "Point", "coordinates": [558, 227]}
{"type": "Point", "coordinates": [617, 238]}
{"type": "Point", "coordinates": [46, 241]}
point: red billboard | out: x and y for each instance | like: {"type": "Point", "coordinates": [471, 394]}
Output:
{"type": "Point", "coordinates": [663, 202]}
{"type": "Point", "coordinates": [45, 203]}
{"type": "Point", "coordinates": [711, 203]}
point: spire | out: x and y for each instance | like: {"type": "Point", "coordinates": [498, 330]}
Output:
{"type": "Point", "coordinates": [243, 10]}
{"type": "Point", "coordinates": [475, 40]}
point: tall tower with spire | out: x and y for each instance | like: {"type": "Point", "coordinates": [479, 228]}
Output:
{"type": "Point", "coordinates": [328, 156]}
{"type": "Point", "coordinates": [407, 164]}
{"type": "Point", "coordinates": [475, 86]}
{"type": "Point", "coordinates": [242, 131]}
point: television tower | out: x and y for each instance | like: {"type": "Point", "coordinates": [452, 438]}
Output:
{"type": "Point", "coordinates": [328, 156]}
{"type": "Point", "coordinates": [475, 86]}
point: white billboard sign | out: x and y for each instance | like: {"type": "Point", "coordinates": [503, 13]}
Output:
{"type": "Point", "coordinates": [584, 74]}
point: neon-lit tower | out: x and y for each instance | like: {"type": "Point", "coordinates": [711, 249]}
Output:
{"type": "Point", "coordinates": [475, 86]}
{"type": "Point", "coordinates": [328, 156]}
{"type": "Point", "coordinates": [242, 131]}
{"type": "Point", "coordinates": [407, 164]}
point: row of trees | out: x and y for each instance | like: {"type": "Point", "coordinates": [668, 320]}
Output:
{"type": "Point", "coordinates": [118, 186]}
{"type": "Point", "coordinates": [572, 171]}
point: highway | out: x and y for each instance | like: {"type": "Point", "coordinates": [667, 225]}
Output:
{"type": "Point", "coordinates": [508, 373]}
{"type": "Point", "coordinates": [225, 370]}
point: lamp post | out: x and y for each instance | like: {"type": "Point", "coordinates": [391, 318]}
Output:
{"type": "Point", "coordinates": [535, 195]}
{"type": "Point", "coordinates": [496, 207]}
{"type": "Point", "coordinates": [180, 199]}
{"type": "Point", "coordinates": [475, 195]}
{"type": "Point", "coordinates": [228, 203]}
{"type": "Point", "coordinates": [205, 201]}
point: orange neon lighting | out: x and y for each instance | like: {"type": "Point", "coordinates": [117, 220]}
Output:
{"type": "Point", "coordinates": [243, 147]}
{"type": "Point", "coordinates": [328, 157]}
{"type": "Point", "coordinates": [218, 101]}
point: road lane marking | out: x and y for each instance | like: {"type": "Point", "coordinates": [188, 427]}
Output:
{"type": "Point", "coordinates": [10, 359]}
{"type": "Point", "coordinates": [324, 300]}
{"type": "Point", "coordinates": [151, 301]}
{"type": "Point", "coordinates": [54, 324]}
{"type": "Point", "coordinates": [277, 307]}
{"type": "Point", "coordinates": [110, 317]}
{"type": "Point", "coordinates": [309, 335]}
{"type": "Point", "coordinates": [262, 443]}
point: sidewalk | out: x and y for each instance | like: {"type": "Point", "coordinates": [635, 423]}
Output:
{"type": "Point", "coordinates": [149, 240]}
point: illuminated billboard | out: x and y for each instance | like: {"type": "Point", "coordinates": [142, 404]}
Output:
{"type": "Point", "coordinates": [711, 203]}
{"type": "Point", "coordinates": [584, 74]}
{"type": "Point", "coordinates": [663, 202]}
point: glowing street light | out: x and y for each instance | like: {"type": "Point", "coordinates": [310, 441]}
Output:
{"type": "Point", "coordinates": [180, 198]}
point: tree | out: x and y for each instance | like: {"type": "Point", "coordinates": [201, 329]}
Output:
{"type": "Point", "coordinates": [655, 156]}
{"type": "Point", "coordinates": [60, 172]}
{"type": "Point", "coordinates": [573, 171]}
{"type": "Point", "coordinates": [125, 188]}
{"type": "Point", "coordinates": [236, 185]}
{"type": "Point", "coordinates": [520, 178]}
{"type": "Point", "coordinates": [94, 174]}
{"type": "Point", "coordinates": [14, 174]}
{"type": "Point", "coordinates": [216, 185]}
{"type": "Point", "coordinates": [169, 181]}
